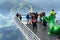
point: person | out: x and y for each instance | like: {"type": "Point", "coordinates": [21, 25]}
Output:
{"type": "Point", "coordinates": [52, 12]}
{"type": "Point", "coordinates": [40, 15]}
{"type": "Point", "coordinates": [44, 22]}
{"type": "Point", "coordinates": [20, 17]}
{"type": "Point", "coordinates": [34, 23]}
{"type": "Point", "coordinates": [30, 18]}
{"type": "Point", "coordinates": [58, 38]}
{"type": "Point", "coordinates": [27, 16]}
{"type": "Point", "coordinates": [33, 15]}
{"type": "Point", "coordinates": [36, 16]}
{"type": "Point", "coordinates": [17, 15]}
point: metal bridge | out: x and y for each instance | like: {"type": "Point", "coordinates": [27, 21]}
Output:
{"type": "Point", "coordinates": [37, 34]}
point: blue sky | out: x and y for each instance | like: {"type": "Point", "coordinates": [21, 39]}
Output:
{"type": "Point", "coordinates": [42, 4]}
{"type": "Point", "coordinates": [10, 7]}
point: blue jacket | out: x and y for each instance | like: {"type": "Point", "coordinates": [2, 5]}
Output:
{"type": "Point", "coordinates": [27, 16]}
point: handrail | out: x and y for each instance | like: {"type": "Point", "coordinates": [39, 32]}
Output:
{"type": "Point", "coordinates": [25, 30]}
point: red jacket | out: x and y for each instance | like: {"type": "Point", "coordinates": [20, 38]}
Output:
{"type": "Point", "coordinates": [33, 20]}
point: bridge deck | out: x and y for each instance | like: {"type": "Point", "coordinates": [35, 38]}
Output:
{"type": "Point", "coordinates": [41, 32]}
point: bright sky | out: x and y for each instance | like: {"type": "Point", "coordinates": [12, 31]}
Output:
{"type": "Point", "coordinates": [8, 7]}
{"type": "Point", "coordinates": [43, 4]}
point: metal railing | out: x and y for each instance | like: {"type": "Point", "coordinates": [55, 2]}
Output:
{"type": "Point", "coordinates": [25, 30]}
{"type": "Point", "coordinates": [58, 22]}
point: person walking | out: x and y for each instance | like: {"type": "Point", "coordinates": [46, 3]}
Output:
{"type": "Point", "coordinates": [36, 16]}
{"type": "Point", "coordinates": [34, 23]}
{"type": "Point", "coordinates": [27, 16]}
{"type": "Point", "coordinates": [20, 17]}
{"type": "Point", "coordinates": [17, 15]}
{"type": "Point", "coordinates": [52, 12]}
{"type": "Point", "coordinates": [40, 16]}
{"type": "Point", "coordinates": [44, 21]}
{"type": "Point", "coordinates": [30, 18]}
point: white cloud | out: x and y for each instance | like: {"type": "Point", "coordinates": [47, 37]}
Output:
{"type": "Point", "coordinates": [1, 35]}
{"type": "Point", "coordinates": [31, 9]}
{"type": "Point", "coordinates": [1, 1]}
{"type": "Point", "coordinates": [1, 26]}
{"type": "Point", "coordinates": [11, 12]}
{"type": "Point", "coordinates": [21, 6]}
{"type": "Point", "coordinates": [3, 17]}
{"type": "Point", "coordinates": [7, 20]}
